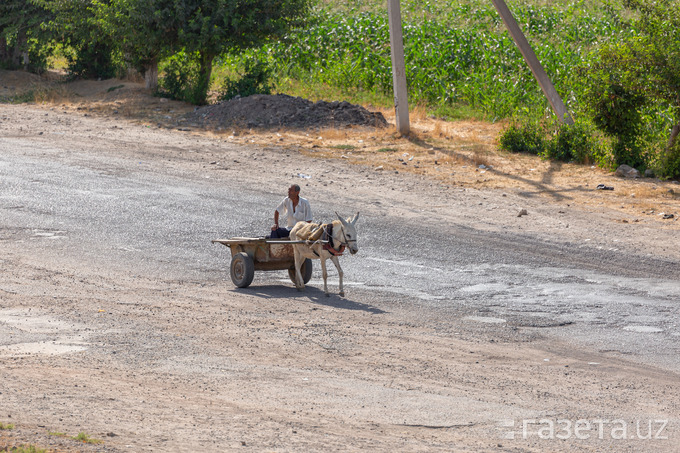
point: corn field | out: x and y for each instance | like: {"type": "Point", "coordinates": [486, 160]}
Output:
{"type": "Point", "coordinates": [456, 53]}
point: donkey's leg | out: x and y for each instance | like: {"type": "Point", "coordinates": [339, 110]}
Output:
{"type": "Point", "coordinates": [325, 274]}
{"type": "Point", "coordinates": [336, 261]}
{"type": "Point", "coordinates": [299, 281]}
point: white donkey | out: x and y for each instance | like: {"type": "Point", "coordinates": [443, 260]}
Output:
{"type": "Point", "coordinates": [340, 234]}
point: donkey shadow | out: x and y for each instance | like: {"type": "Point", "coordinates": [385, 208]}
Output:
{"type": "Point", "coordinates": [315, 295]}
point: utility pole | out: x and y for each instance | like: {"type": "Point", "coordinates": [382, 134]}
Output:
{"type": "Point", "coordinates": [398, 67]}
{"type": "Point", "coordinates": [535, 65]}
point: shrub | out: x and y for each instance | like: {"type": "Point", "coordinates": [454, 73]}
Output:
{"type": "Point", "coordinates": [617, 112]}
{"type": "Point", "coordinates": [667, 165]}
{"type": "Point", "coordinates": [180, 78]}
{"type": "Point", "coordinates": [93, 61]}
{"type": "Point", "coordinates": [523, 138]}
{"type": "Point", "coordinates": [255, 80]}
{"type": "Point", "coordinates": [578, 143]}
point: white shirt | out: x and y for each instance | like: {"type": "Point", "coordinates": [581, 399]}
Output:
{"type": "Point", "coordinates": [302, 213]}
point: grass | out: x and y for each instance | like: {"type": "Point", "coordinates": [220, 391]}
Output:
{"type": "Point", "coordinates": [21, 98]}
{"type": "Point", "coordinates": [21, 448]}
{"type": "Point", "coordinates": [24, 449]}
{"type": "Point", "coordinates": [49, 93]}
{"type": "Point", "coordinates": [319, 90]}
{"type": "Point", "coordinates": [481, 158]}
{"type": "Point", "coordinates": [81, 437]}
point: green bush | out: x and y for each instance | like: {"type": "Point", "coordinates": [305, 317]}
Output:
{"type": "Point", "coordinates": [576, 143]}
{"type": "Point", "coordinates": [579, 142]}
{"type": "Point", "coordinates": [38, 55]}
{"type": "Point", "coordinates": [180, 76]}
{"type": "Point", "coordinates": [667, 165]}
{"type": "Point", "coordinates": [617, 112]}
{"type": "Point", "coordinates": [255, 80]}
{"type": "Point", "coordinates": [523, 138]}
{"type": "Point", "coordinates": [93, 60]}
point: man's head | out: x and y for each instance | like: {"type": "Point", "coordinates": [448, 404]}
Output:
{"type": "Point", "coordinates": [294, 191]}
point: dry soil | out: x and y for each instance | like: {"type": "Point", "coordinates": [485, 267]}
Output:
{"type": "Point", "coordinates": [233, 373]}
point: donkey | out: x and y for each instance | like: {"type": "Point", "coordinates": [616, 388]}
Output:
{"type": "Point", "coordinates": [340, 234]}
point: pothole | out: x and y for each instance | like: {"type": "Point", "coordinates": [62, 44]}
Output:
{"type": "Point", "coordinates": [41, 347]}
{"type": "Point", "coordinates": [643, 329]}
{"type": "Point", "coordinates": [485, 319]}
{"type": "Point", "coordinates": [541, 323]}
{"type": "Point", "coordinates": [23, 332]}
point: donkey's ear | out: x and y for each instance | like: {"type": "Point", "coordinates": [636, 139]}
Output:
{"type": "Point", "coordinates": [344, 222]}
{"type": "Point", "coordinates": [354, 220]}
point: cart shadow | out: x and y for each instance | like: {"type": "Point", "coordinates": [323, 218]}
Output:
{"type": "Point", "coordinates": [315, 295]}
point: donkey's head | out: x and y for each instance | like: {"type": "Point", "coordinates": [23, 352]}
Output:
{"type": "Point", "coordinates": [348, 233]}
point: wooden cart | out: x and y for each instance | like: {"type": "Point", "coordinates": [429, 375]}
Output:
{"type": "Point", "coordinates": [259, 254]}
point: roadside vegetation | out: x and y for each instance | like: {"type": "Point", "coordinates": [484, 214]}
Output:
{"type": "Point", "coordinates": [24, 449]}
{"type": "Point", "coordinates": [19, 449]}
{"type": "Point", "coordinates": [81, 437]}
{"type": "Point", "coordinates": [615, 64]}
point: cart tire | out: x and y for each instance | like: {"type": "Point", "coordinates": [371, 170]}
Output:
{"type": "Point", "coordinates": [242, 270]}
{"type": "Point", "coordinates": [306, 271]}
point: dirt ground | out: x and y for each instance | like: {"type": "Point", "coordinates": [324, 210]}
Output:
{"type": "Point", "coordinates": [310, 377]}
{"type": "Point", "coordinates": [448, 152]}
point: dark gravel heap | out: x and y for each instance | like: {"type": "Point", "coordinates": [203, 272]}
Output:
{"type": "Point", "coordinates": [274, 111]}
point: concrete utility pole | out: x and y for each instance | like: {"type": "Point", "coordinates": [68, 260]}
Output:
{"type": "Point", "coordinates": [535, 66]}
{"type": "Point", "coordinates": [398, 67]}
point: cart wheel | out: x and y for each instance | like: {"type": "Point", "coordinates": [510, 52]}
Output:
{"type": "Point", "coordinates": [242, 270]}
{"type": "Point", "coordinates": [306, 271]}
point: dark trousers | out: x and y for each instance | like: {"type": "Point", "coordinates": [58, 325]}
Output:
{"type": "Point", "coordinates": [280, 233]}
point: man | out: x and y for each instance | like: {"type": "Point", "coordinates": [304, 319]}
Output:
{"type": "Point", "coordinates": [293, 209]}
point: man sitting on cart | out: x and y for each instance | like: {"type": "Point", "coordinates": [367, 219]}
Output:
{"type": "Point", "coordinates": [293, 209]}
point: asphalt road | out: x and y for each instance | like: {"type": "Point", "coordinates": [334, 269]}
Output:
{"type": "Point", "coordinates": [146, 216]}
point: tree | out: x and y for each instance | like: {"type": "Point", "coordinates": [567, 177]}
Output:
{"type": "Point", "coordinates": [21, 36]}
{"type": "Point", "coordinates": [150, 29]}
{"type": "Point", "coordinates": [214, 27]}
{"type": "Point", "coordinates": [75, 25]}
{"type": "Point", "coordinates": [657, 52]}
{"type": "Point", "coordinates": [146, 30]}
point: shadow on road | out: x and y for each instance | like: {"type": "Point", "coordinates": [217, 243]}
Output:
{"type": "Point", "coordinates": [315, 295]}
